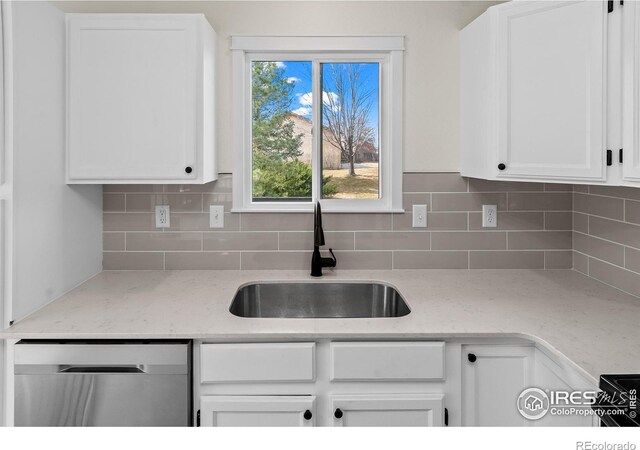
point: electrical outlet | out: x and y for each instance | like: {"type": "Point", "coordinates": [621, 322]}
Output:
{"type": "Point", "coordinates": [163, 216]}
{"type": "Point", "coordinates": [216, 216]}
{"type": "Point", "coordinates": [419, 216]}
{"type": "Point", "coordinates": [489, 216]}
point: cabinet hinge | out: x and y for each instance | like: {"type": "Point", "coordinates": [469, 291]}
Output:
{"type": "Point", "coordinates": [446, 417]}
{"type": "Point", "coordinates": [609, 157]}
{"type": "Point", "coordinates": [621, 156]}
{"type": "Point", "coordinates": [621, 2]}
{"type": "Point", "coordinates": [610, 6]}
{"type": "Point", "coordinates": [198, 418]}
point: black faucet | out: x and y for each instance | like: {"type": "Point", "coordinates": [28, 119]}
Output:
{"type": "Point", "coordinates": [317, 261]}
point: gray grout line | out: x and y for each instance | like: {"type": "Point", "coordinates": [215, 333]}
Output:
{"type": "Point", "coordinates": [606, 196]}
{"type": "Point", "coordinates": [608, 218]}
{"type": "Point", "coordinates": [604, 239]}
{"type": "Point", "coordinates": [604, 282]}
{"type": "Point", "coordinates": [607, 262]}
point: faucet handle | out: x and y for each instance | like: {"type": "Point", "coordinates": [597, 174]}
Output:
{"type": "Point", "coordinates": [333, 257]}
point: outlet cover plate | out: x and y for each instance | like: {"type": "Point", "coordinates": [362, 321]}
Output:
{"type": "Point", "coordinates": [419, 216]}
{"type": "Point", "coordinates": [489, 216]}
{"type": "Point", "coordinates": [216, 216]}
{"type": "Point", "coordinates": [163, 216]}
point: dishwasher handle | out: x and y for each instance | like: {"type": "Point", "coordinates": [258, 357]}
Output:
{"type": "Point", "coordinates": [101, 369]}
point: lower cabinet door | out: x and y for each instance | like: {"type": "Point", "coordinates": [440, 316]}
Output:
{"type": "Point", "coordinates": [551, 376]}
{"type": "Point", "coordinates": [387, 410]}
{"type": "Point", "coordinates": [257, 411]}
{"type": "Point", "coordinates": [493, 376]}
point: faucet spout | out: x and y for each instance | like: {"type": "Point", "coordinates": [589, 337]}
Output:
{"type": "Point", "coordinates": [318, 232]}
{"type": "Point", "coordinates": [317, 261]}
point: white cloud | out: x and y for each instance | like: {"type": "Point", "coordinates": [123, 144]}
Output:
{"type": "Point", "coordinates": [327, 97]}
{"type": "Point", "coordinates": [280, 65]}
{"type": "Point", "coordinates": [305, 99]}
{"type": "Point", "coordinates": [302, 111]}
{"type": "Point", "coordinates": [292, 80]}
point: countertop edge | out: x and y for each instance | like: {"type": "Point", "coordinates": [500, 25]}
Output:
{"type": "Point", "coordinates": [537, 341]}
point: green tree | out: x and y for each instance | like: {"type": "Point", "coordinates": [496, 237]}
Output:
{"type": "Point", "coordinates": [275, 178]}
{"type": "Point", "coordinates": [273, 131]}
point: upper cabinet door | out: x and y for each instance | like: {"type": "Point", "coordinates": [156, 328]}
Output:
{"type": "Point", "coordinates": [551, 65]}
{"type": "Point", "coordinates": [631, 92]}
{"type": "Point", "coordinates": [137, 110]}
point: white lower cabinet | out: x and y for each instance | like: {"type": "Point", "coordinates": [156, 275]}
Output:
{"type": "Point", "coordinates": [388, 410]}
{"type": "Point", "coordinates": [552, 376]}
{"type": "Point", "coordinates": [374, 383]}
{"type": "Point", "coordinates": [257, 411]}
{"type": "Point", "coordinates": [493, 376]}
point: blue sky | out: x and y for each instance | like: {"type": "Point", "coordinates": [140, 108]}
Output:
{"type": "Point", "coordinates": [299, 72]}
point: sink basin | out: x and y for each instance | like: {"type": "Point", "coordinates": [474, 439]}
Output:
{"type": "Point", "coordinates": [318, 300]}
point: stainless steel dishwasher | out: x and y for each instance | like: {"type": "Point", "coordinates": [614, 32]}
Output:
{"type": "Point", "coordinates": [103, 383]}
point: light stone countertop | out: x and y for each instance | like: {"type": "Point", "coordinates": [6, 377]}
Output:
{"type": "Point", "coordinates": [594, 326]}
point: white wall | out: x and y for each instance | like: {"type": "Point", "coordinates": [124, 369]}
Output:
{"type": "Point", "coordinates": [57, 229]}
{"type": "Point", "coordinates": [5, 197]}
{"type": "Point", "coordinates": [431, 59]}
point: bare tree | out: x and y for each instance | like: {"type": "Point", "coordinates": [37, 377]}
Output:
{"type": "Point", "coordinates": [345, 112]}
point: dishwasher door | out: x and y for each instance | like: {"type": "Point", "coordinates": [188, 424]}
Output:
{"type": "Point", "coordinates": [103, 384]}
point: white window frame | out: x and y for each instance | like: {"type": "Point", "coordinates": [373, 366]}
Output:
{"type": "Point", "coordinates": [386, 50]}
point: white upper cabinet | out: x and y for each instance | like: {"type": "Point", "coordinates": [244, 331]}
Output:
{"type": "Point", "coordinates": [140, 100]}
{"type": "Point", "coordinates": [533, 92]}
{"type": "Point", "coordinates": [631, 92]}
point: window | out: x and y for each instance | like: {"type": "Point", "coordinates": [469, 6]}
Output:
{"type": "Point", "coordinates": [291, 150]}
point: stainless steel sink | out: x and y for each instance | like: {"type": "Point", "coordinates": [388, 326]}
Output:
{"type": "Point", "coordinates": [318, 300]}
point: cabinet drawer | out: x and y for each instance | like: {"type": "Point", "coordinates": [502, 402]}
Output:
{"type": "Point", "coordinates": [387, 361]}
{"type": "Point", "coordinates": [255, 363]}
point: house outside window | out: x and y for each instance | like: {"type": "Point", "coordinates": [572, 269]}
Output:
{"type": "Point", "coordinates": [344, 150]}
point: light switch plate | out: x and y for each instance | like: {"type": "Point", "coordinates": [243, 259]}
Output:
{"type": "Point", "coordinates": [163, 216]}
{"type": "Point", "coordinates": [489, 216]}
{"type": "Point", "coordinates": [419, 216]}
{"type": "Point", "coordinates": [216, 216]}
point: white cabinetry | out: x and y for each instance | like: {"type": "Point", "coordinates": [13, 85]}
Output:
{"type": "Point", "coordinates": [140, 99]}
{"type": "Point", "coordinates": [257, 411]}
{"type": "Point", "coordinates": [631, 92]}
{"type": "Point", "coordinates": [257, 362]}
{"type": "Point", "coordinates": [388, 410]}
{"type": "Point", "coordinates": [380, 361]}
{"type": "Point", "coordinates": [378, 383]}
{"type": "Point", "coordinates": [533, 92]}
{"type": "Point", "coordinates": [552, 376]}
{"type": "Point", "coordinates": [493, 376]}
